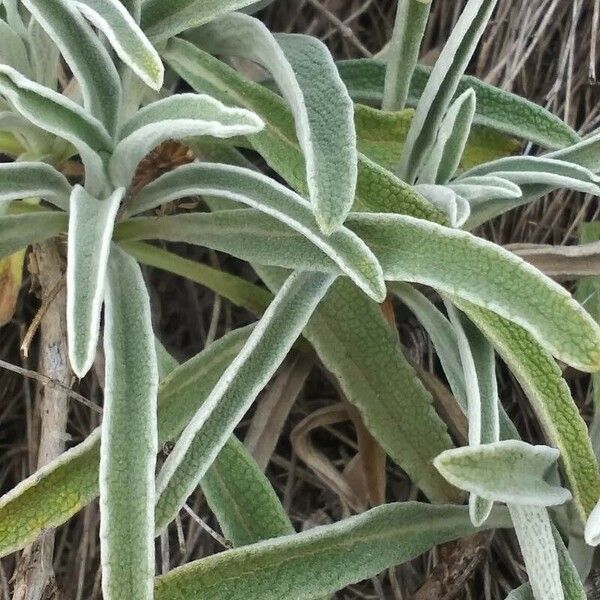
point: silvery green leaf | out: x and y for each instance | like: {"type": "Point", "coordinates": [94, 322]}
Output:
{"type": "Point", "coordinates": [534, 532]}
{"type": "Point", "coordinates": [478, 189]}
{"type": "Point", "coordinates": [57, 114]}
{"type": "Point", "coordinates": [347, 251]}
{"type": "Point", "coordinates": [232, 396]}
{"type": "Point", "coordinates": [86, 56]}
{"type": "Point", "coordinates": [162, 20]}
{"type": "Point", "coordinates": [19, 231]}
{"type": "Point", "coordinates": [91, 223]}
{"type": "Point", "coordinates": [125, 36]}
{"type": "Point", "coordinates": [377, 188]}
{"type": "Point", "coordinates": [539, 170]}
{"type": "Point", "coordinates": [449, 146]}
{"type": "Point", "coordinates": [571, 583]}
{"type": "Point", "coordinates": [20, 180]}
{"type": "Point", "coordinates": [457, 263]}
{"type": "Point", "coordinates": [304, 71]}
{"type": "Point", "coordinates": [70, 482]}
{"type": "Point", "coordinates": [442, 85]}
{"type": "Point", "coordinates": [237, 491]}
{"type": "Point", "coordinates": [403, 51]}
{"type": "Point", "coordinates": [550, 398]}
{"type": "Point", "coordinates": [13, 51]}
{"type": "Point", "coordinates": [496, 108]}
{"type": "Point", "coordinates": [129, 435]}
{"type": "Point", "coordinates": [446, 199]}
{"type": "Point", "coordinates": [452, 261]}
{"type": "Point", "coordinates": [44, 55]}
{"type": "Point", "coordinates": [180, 116]}
{"type": "Point", "coordinates": [592, 527]}
{"type": "Point", "coordinates": [585, 153]}
{"type": "Point", "coordinates": [13, 17]}
{"type": "Point", "coordinates": [324, 559]}
{"type": "Point", "coordinates": [510, 471]}
{"type": "Point", "coordinates": [483, 422]}
{"type": "Point", "coordinates": [441, 333]}
{"type": "Point", "coordinates": [30, 136]}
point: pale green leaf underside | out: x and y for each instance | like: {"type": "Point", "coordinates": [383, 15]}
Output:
{"type": "Point", "coordinates": [215, 420]}
{"type": "Point", "coordinates": [321, 560]}
{"type": "Point", "coordinates": [19, 180]}
{"type": "Point", "coordinates": [85, 55]}
{"type": "Point", "coordinates": [44, 55]}
{"type": "Point", "coordinates": [496, 108]}
{"type": "Point", "coordinates": [125, 36]}
{"type": "Point", "coordinates": [129, 435]}
{"type": "Point", "coordinates": [510, 471]}
{"type": "Point", "coordinates": [571, 583]}
{"type": "Point", "coordinates": [534, 532]}
{"type": "Point", "coordinates": [344, 249]}
{"type": "Point", "coordinates": [454, 262]}
{"type": "Point", "coordinates": [178, 117]}
{"type": "Point", "coordinates": [323, 112]}
{"type": "Point", "coordinates": [91, 223]}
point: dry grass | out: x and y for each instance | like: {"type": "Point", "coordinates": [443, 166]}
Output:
{"type": "Point", "coordinates": [542, 49]}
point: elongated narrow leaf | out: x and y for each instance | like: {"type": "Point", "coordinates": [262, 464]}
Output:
{"type": "Point", "coordinates": [13, 51]}
{"type": "Point", "coordinates": [86, 56]}
{"type": "Point", "coordinates": [19, 231]}
{"type": "Point", "coordinates": [57, 114]}
{"type": "Point", "coordinates": [571, 583]}
{"type": "Point", "coordinates": [442, 334]}
{"type": "Point", "coordinates": [540, 170]}
{"type": "Point", "coordinates": [91, 223]}
{"type": "Point", "coordinates": [242, 497]}
{"type": "Point", "coordinates": [551, 400]}
{"type": "Point", "coordinates": [44, 55]}
{"type": "Point", "coordinates": [33, 179]}
{"type": "Point", "coordinates": [162, 20]}
{"type": "Point", "coordinates": [182, 116]}
{"type": "Point", "coordinates": [125, 36]}
{"type": "Point", "coordinates": [305, 73]}
{"type": "Point", "coordinates": [496, 108]}
{"type": "Point", "coordinates": [238, 492]}
{"type": "Point", "coordinates": [451, 141]}
{"type": "Point", "coordinates": [36, 140]}
{"type": "Point", "coordinates": [13, 17]}
{"type": "Point", "coordinates": [510, 471]}
{"type": "Point", "coordinates": [408, 249]}
{"type": "Point", "coordinates": [71, 481]}
{"type": "Point", "coordinates": [442, 85]}
{"type": "Point", "coordinates": [534, 532]}
{"type": "Point", "coordinates": [403, 52]}
{"type": "Point", "coordinates": [324, 559]}
{"type": "Point", "coordinates": [354, 341]}
{"type": "Point", "coordinates": [256, 190]}
{"type": "Point", "coordinates": [478, 189]}
{"type": "Point", "coordinates": [377, 188]}
{"type": "Point", "coordinates": [237, 290]}
{"type": "Point", "coordinates": [460, 264]}
{"type": "Point", "coordinates": [231, 397]}
{"type": "Point", "coordinates": [129, 435]}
